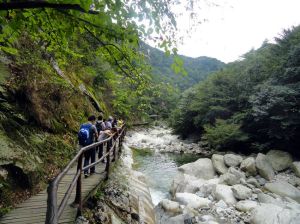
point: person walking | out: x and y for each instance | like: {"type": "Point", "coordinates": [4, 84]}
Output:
{"type": "Point", "coordinates": [100, 125]}
{"type": "Point", "coordinates": [86, 136]}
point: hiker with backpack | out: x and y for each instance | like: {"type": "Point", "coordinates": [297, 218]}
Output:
{"type": "Point", "coordinates": [100, 126]}
{"type": "Point", "coordinates": [86, 136]}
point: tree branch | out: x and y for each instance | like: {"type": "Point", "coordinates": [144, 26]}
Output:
{"type": "Point", "coordinates": [111, 54]}
{"type": "Point", "coordinates": [42, 4]}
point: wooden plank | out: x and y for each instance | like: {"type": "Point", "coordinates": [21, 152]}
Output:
{"type": "Point", "coordinates": [34, 209]}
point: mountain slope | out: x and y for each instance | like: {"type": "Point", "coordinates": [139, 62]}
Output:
{"type": "Point", "coordinates": [197, 68]}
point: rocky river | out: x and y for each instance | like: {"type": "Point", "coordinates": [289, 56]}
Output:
{"type": "Point", "coordinates": [188, 184]}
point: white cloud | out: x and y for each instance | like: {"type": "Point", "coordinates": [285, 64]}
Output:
{"type": "Point", "coordinates": [237, 26]}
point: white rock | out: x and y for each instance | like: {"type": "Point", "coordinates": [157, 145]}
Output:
{"type": "Point", "coordinates": [265, 198]}
{"type": "Point", "coordinates": [221, 204]}
{"type": "Point", "coordinates": [296, 168]}
{"type": "Point", "coordinates": [279, 160]}
{"type": "Point", "coordinates": [248, 165]}
{"type": "Point", "coordinates": [273, 214]}
{"type": "Point", "coordinates": [229, 178]}
{"type": "Point", "coordinates": [202, 168]}
{"type": "Point", "coordinates": [263, 166]}
{"type": "Point", "coordinates": [241, 192]}
{"type": "Point", "coordinates": [245, 206]}
{"type": "Point", "coordinates": [192, 186]}
{"type": "Point", "coordinates": [232, 160]}
{"type": "Point", "coordinates": [284, 189]}
{"type": "Point", "coordinates": [170, 206]}
{"type": "Point", "coordinates": [180, 182]}
{"type": "Point", "coordinates": [237, 173]}
{"type": "Point", "coordinates": [253, 181]}
{"type": "Point", "coordinates": [219, 164]}
{"type": "Point", "coordinates": [192, 200]}
{"type": "Point", "coordinates": [224, 192]}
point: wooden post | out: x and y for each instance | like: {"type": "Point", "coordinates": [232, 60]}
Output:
{"type": "Point", "coordinates": [114, 150]}
{"type": "Point", "coordinates": [51, 215]}
{"type": "Point", "coordinates": [108, 145]}
{"type": "Point", "coordinates": [78, 197]}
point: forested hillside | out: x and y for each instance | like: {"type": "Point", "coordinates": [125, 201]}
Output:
{"type": "Point", "coordinates": [196, 69]}
{"type": "Point", "coordinates": [252, 104]}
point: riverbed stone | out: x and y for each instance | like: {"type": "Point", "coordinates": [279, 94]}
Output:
{"type": "Point", "coordinates": [192, 200]}
{"type": "Point", "coordinates": [296, 168]}
{"type": "Point", "coordinates": [248, 166]}
{"type": "Point", "coordinates": [207, 187]}
{"type": "Point", "coordinates": [180, 182]}
{"type": "Point", "coordinates": [265, 198]}
{"type": "Point", "coordinates": [219, 164]}
{"type": "Point", "coordinates": [202, 168]}
{"type": "Point", "coordinates": [241, 192]}
{"type": "Point", "coordinates": [283, 188]}
{"type": "Point", "coordinates": [246, 205]}
{"type": "Point", "coordinates": [239, 174]}
{"type": "Point", "coordinates": [224, 192]}
{"type": "Point", "coordinates": [253, 182]}
{"type": "Point", "coordinates": [273, 214]}
{"type": "Point", "coordinates": [279, 160]}
{"type": "Point", "coordinates": [264, 167]}
{"type": "Point", "coordinates": [232, 160]}
{"type": "Point", "coordinates": [170, 206]}
{"type": "Point", "coordinates": [193, 186]}
{"type": "Point", "coordinates": [229, 178]}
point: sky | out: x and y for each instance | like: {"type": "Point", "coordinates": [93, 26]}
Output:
{"type": "Point", "coordinates": [235, 27]}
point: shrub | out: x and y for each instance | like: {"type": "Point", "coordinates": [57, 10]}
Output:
{"type": "Point", "coordinates": [222, 133]}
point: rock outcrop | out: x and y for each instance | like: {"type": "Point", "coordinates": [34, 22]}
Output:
{"type": "Point", "coordinates": [202, 168]}
{"type": "Point", "coordinates": [248, 166]}
{"type": "Point", "coordinates": [264, 167]}
{"type": "Point", "coordinates": [232, 160]}
{"type": "Point", "coordinates": [219, 164]}
{"type": "Point", "coordinates": [279, 160]}
{"type": "Point", "coordinates": [284, 189]}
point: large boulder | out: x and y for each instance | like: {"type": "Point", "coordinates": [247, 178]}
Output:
{"type": "Point", "coordinates": [237, 173]}
{"type": "Point", "coordinates": [232, 177]}
{"type": "Point", "coordinates": [284, 189]}
{"type": "Point", "coordinates": [229, 179]}
{"type": "Point", "coordinates": [241, 192]}
{"type": "Point", "coordinates": [248, 166]}
{"type": "Point", "coordinates": [202, 168]}
{"type": "Point", "coordinates": [192, 200]}
{"type": "Point", "coordinates": [170, 206]}
{"type": "Point", "coordinates": [245, 206]}
{"type": "Point", "coordinates": [232, 160]}
{"type": "Point", "coordinates": [296, 168]}
{"type": "Point", "coordinates": [180, 182]}
{"type": "Point", "coordinates": [206, 188]}
{"type": "Point", "coordinates": [279, 160]}
{"type": "Point", "coordinates": [224, 192]}
{"type": "Point", "coordinates": [219, 164]}
{"type": "Point", "coordinates": [264, 167]}
{"type": "Point", "coordinates": [264, 198]}
{"type": "Point", "coordinates": [273, 214]}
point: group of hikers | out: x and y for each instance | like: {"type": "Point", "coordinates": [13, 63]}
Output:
{"type": "Point", "coordinates": [96, 130]}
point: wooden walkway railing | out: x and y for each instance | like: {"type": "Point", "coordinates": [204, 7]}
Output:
{"type": "Point", "coordinates": [68, 188]}
{"type": "Point", "coordinates": [55, 210]}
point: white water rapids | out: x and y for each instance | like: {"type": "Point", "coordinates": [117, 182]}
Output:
{"type": "Point", "coordinates": [159, 168]}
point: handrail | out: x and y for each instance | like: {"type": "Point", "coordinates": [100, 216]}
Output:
{"type": "Point", "coordinates": [54, 211]}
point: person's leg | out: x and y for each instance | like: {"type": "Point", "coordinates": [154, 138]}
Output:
{"type": "Point", "coordinates": [100, 152]}
{"type": "Point", "coordinates": [87, 156]}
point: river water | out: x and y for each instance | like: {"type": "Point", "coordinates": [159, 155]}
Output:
{"type": "Point", "coordinates": [159, 168]}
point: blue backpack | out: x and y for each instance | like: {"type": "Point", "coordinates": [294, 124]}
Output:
{"type": "Point", "coordinates": [84, 133]}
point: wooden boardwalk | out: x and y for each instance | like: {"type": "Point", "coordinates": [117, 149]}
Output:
{"type": "Point", "coordinates": [33, 210]}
